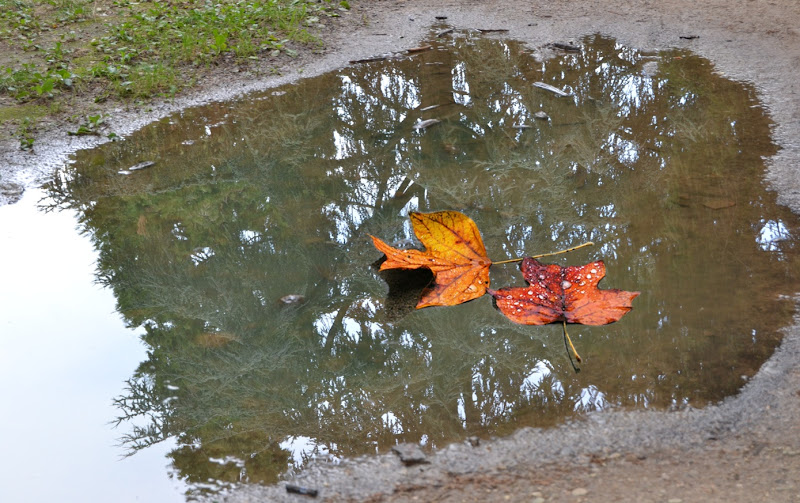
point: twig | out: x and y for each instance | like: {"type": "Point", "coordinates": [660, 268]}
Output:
{"type": "Point", "coordinates": [588, 243]}
{"type": "Point", "coordinates": [568, 340]}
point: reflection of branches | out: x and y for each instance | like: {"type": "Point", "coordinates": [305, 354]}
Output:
{"type": "Point", "coordinates": [142, 402]}
{"type": "Point", "coordinates": [280, 201]}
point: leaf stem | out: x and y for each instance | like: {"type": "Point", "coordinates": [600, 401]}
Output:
{"type": "Point", "coordinates": [588, 243]}
{"type": "Point", "coordinates": [566, 336]}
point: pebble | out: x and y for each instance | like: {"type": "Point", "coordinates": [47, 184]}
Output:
{"type": "Point", "coordinates": [11, 192]}
{"type": "Point", "coordinates": [410, 454]}
{"type": "Point", "coordinates": [580, 491]}
{"type": "Point", "coordinates": [292, 299]}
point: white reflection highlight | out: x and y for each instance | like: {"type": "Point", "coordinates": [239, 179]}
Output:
{"type": "Point", "coordinates": [590, 399]}
{"type": "Point", "coordinates": [302, 449]}
{"type": "Point", "coordinates": [771, 234]}
{"type": "Point", "coordinates": [392, 423]}
{"type": "Point", "coordinates": [460, 85]}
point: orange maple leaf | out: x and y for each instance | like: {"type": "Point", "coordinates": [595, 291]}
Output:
{"type": "Point", "coordinates": [569, 294]}
{"type": "Point", "coordinates": [454, 253]}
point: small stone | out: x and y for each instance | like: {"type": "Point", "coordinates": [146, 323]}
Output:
{"type": "Point", "coordinates": [580, 491]}
{"type": "Point", "coordinates": [292, 299]}
{"type": "Point", "coordinates": [474, 441]}
{"type": "Point", "coordinates": [410, 454]}
{"type": "Point", "coordinates": [11, 192]}
{"type": "Point", "coordinates": [541, 115]}
{"type": "Point", "coordinates": [674, 500]}
{"type": "Point", "coordinates": [537, 500]}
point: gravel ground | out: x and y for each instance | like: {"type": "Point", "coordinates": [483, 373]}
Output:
{"type": "Point", "coordinates": [746, 448]}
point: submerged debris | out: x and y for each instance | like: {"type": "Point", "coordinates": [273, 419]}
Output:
{"type": "Point", "coordinates": [382, 57]}
{"type": "Point", "coordinates": [565, 47]}
{"type": "Point", "coordinates": [292, 299]}
{"type": "Point", "coordinates": [392, 55]}
{"type": "Point", "coordinates": [552, 89]}
{"type": "Point", "coordinates": [419, 49]}
{"type": "Point", "coordinates": [718, 204]}
{"type": "Point", "coordinates": [137, 167]}
{"type": "Point", "coordinates": [426, 123]}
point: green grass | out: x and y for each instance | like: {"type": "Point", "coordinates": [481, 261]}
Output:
{"type": "Point", "coordinates": [140, 49]}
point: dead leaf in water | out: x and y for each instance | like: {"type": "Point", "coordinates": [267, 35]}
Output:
{"type": "Point", "coordinates": [718, 204]}
{"type": "Point", "coordinates": [454, 253]}
{"type": "Point", "coordinates": [555, 293]}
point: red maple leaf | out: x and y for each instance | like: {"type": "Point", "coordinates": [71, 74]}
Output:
{"type": "Point", "coordinates": [569, 294]}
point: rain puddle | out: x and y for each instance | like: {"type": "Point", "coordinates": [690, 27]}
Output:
{"type": "Point", "coordinates": [244, 254]}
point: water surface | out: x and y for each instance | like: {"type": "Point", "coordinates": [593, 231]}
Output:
{"type": "Point", "coordinates": [64, 353]}
{"type": "Point", "coordinates": [654, 157]}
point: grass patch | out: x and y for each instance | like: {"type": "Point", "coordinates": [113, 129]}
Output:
{"type": "Point", "coordinates": [20, 112]}
{"type": "Point", "coordinates": [140, 49]}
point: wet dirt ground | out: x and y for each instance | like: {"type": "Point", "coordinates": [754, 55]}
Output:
{"type": "Point", "coordinates": [746, 448]}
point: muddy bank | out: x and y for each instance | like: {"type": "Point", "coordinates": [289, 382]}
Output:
{"type": "Point", "coordinates": [754, 435]}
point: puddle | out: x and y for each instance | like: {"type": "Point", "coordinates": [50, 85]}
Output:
{"type": "Point", "coordinates": [63, 354]}
{"type": "Point", "coordinates": [654, 157]}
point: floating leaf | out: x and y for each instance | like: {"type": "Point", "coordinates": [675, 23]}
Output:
{"type": "Point", "coordinates": [454, 253]}
{"type": "Point", "coordinates": [557, 293]}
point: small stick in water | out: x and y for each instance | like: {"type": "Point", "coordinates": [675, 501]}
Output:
{"type": "Point", "coordinates": [568, 340]}
{"type": "Point", "coordinates": [301, 490]}
{"type": "Point", "coordinates": [588, 243]}
{"type": "Point", "coordinates": [552, 89]}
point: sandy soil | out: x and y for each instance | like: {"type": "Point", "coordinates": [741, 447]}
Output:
{"type": "Point", "coordinates": [746, 448]}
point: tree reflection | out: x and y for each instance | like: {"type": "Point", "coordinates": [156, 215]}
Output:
{"type": "Point", "coordinates": [275, 195]}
